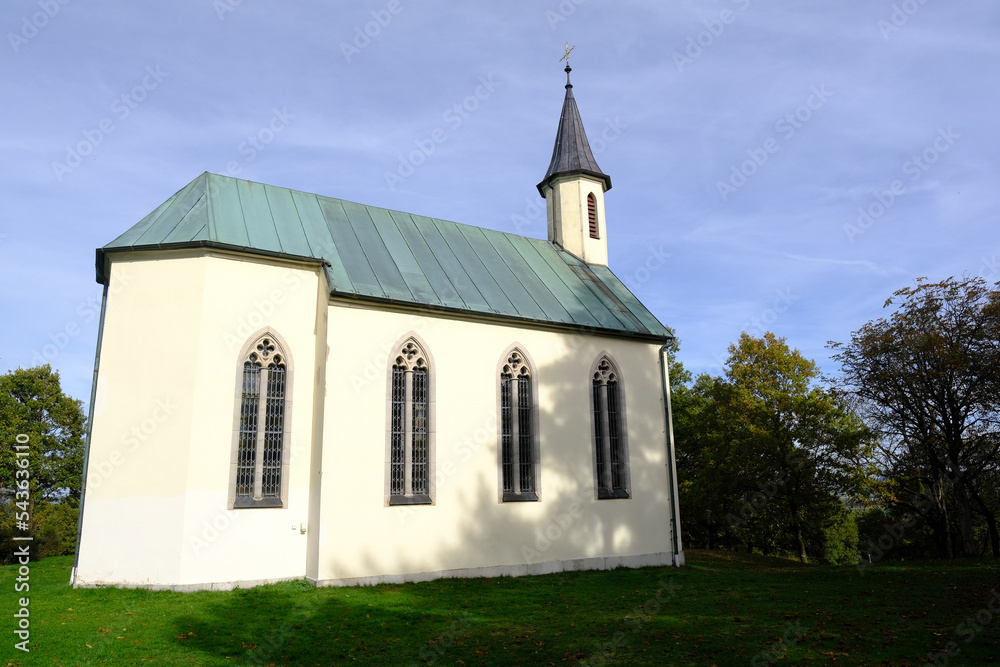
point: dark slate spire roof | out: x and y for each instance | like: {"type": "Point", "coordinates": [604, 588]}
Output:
{"type": "Point", "coordinates": [572, 154]}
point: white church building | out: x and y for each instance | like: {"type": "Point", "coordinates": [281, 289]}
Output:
{"type": "Point", "coordinates": [294, 386]}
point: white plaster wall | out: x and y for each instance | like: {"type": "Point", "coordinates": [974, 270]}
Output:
{"type": "Point", "coordinates": [156, 506]}
{"type": "Point", "coordinates": [158, 475]}
{"type": "Point", "coordinates": [360, 536]}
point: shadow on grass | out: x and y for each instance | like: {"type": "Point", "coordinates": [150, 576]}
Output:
{"type": "Point", "coordinates": [295, 623]}
{"type": "Point", "coordinates": [724, 609]}
{"type": "Point", "coordinates": [524, 620]}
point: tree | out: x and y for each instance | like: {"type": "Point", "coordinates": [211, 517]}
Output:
{"type": "Point", "coordinates": [34, 411]}
{"type": "Point", "coordinates": [926, 379]}
{"type": "Point", "coordinates": [767, 454]}
{"type": "Point", "coordinates": [707, 468]}
{"type": "Point", "coordinates": [807, 443]}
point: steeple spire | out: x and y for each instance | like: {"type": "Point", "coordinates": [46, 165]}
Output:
{"type": "Point", "coordinates": [571, 153]}
{"type": "Point", "coordinates": [574, 187]}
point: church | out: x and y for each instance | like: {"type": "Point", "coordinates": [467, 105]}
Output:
{"type": "Point", "coordinates": [292, 386]}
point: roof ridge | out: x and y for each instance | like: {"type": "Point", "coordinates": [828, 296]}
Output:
{"type": "Point", "coordinates": [382, 208]}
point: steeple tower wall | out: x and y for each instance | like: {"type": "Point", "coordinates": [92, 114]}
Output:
{"type": "Point", "coordinates": [568, 214]}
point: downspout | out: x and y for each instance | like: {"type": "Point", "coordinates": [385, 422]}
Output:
{"type": "Point", "coordinates": [675, 514]}
{"type": "Point", "coordinates": [90, 430]}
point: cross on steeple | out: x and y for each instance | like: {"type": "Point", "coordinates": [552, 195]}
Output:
{"type": "Point", "coordinates": [569, 49]}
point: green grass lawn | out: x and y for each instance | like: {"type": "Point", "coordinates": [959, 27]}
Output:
{"type": "Point", "coordinates": [722, 609]}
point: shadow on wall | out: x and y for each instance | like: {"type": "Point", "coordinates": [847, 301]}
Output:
{"type": "Point", "coordinates": [568, 523]}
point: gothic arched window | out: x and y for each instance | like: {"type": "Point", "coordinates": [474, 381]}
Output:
{"type": "Point", "coordinates": [259, 475]}
{"type": "Point", "coordinates": [519, 458]}
{"type": "Point", "coordinates": [611, 467]}
{"type": "Point", "coordinates": [410, 435]}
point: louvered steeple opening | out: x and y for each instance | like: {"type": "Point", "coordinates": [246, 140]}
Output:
{"type": "Point", "coordinates": [592, 216]}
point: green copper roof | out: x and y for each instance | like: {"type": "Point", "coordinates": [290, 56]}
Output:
{"type": "Point", "coordinates": [375, 253]}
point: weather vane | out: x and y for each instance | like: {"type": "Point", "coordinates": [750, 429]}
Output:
{"type": "Point", "coordinates": [568, 50]}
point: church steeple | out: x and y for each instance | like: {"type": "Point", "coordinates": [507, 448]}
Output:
{"type": "Point", "coordinates": [574, 188]}
{"type": "Point", "coordinates": [571, 153]}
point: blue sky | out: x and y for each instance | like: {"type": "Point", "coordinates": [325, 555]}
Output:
{"type": "Point", "coordinates": [779, 166]}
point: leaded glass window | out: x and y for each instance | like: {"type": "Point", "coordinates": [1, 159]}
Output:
{"type": "Point", "coordinates": [247, 452]}
{"type": "Point", "coordinates": [398, 434]}
{"type": "Point", "coordinates": [261, 437]}
{"type": "Point", "coordinates": [599, 437]}
{"type": "Point", "coordinates": [610, 450]}
{"type": "Point", "coordinates": [506, 433]}
{"type": "Point", "coordinates": [518, 448]}
{"type": "Point", "coordinates": [409, 427]}
{"type": "Point", "coordinates": [274, 426]}
{"type": "Point", "coordinates": [419, 439]}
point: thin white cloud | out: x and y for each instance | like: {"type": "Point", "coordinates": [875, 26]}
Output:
{"type": "Point", "coordinates": [868, 266]}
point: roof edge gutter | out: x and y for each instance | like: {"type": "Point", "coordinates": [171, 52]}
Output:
{"type": "Point", "coordinates": [100, 262]}
{"type": "Point", "coordinates": [676, 545]}
{"type": "Point", "coordinates": [90, 432]}
{"type": "Point", "coordinates": [548, 325]}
